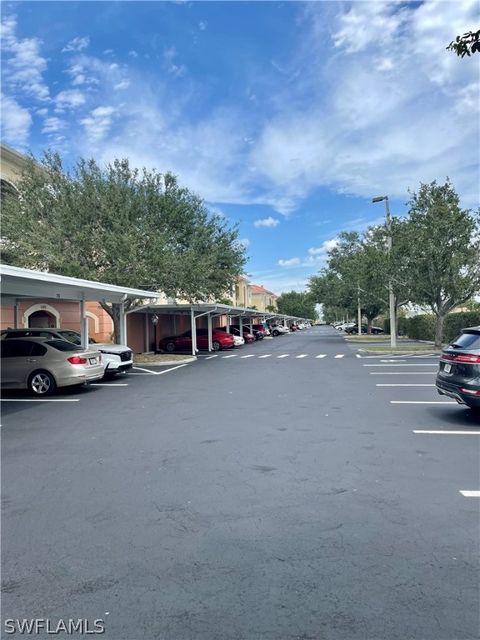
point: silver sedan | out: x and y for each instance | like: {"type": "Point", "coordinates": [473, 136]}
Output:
{"type": "Point", "coordinates": [42, 365]}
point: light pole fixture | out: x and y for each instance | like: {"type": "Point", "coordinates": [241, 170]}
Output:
{"type": "Point", "coordinates": [393, 324]}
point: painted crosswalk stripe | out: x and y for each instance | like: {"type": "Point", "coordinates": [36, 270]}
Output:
{"type": "Point", "coordinates": [302, 355]}
{"type": "Point", "coordinates": [404, 385]}
{"type": "Point", "coordinates": [268, 355]}
{"type": "Point", "coordinates": [340, 355]}
{"type": "Point", "coordinates": [411, 364]}
{"type": "Point", "coordinates": [402, 373]}
{"type": "Point", "coordinates": [252, 355]}
{"type": "Point", "coordinates": [438, 432]}
{"type": "Point", "coordinates": [422, 402]}
{"type": "Point", "coordinates": [284, 355]}
{"type": "Point", "coordinates": [322, 355]}
{"type": "Point", "coordinates": [39, 400]}
{"type": "Point", "coordinates": [470, 494]}
{"type": "Point", "coordinates": [230, 356]}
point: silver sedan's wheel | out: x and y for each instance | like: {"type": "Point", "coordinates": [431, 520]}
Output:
{"type": "Point", "coordinates": [42, 383]}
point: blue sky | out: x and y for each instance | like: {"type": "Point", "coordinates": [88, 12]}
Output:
{"type": "Point", "coordinates": [286, 117]}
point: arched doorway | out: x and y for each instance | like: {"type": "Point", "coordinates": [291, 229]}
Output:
{"type": "Point", "coordinates": [41, 320]}
{"type": "Point", "coordinates": [41, 316]}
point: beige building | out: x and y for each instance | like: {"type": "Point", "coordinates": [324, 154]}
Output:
{"type": "Point", "coordinates": [242, 296]}
{"type": "Point", "coordinates": [261, 298]}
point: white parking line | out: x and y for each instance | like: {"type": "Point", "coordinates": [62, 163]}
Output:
{"type": "Point", "coordinates": [160, 373]}
{"type": "Point", "coordinates": [411, 364]}
{"type": "Point", "coordinates": [402, 373]}
{"type": "Point", "coordinates": [39, 400]}
{"type": "Point", "coordinates": [210, 357]}
{"type": "Point", "coordinates": [423, 402]}
{"type": "Point", "coordinates": [438, 432]}
{"type": "Point", "coordinates": [112, 384]}
{"type": "Point", "coordinates": [470, 494]}
{"type": "Point", "coordinates": [302, 355]}
{"type": "Point", "coordinates": [252, 355]}
{"type": "Point", "coordinates": [392, 360]}
{"type": "Point", "coordinates": [268, 355]}
{"type": "Point", "coordinates": [284, 355]}
{"type": "Point", "coordinates": [322, 355]}
{"type": "Point", "coordinates": [146, 370]}
{"type": "Point", "coordinates": [230, 356]}
{"type": "Point", "coordinates": [404, 385]}
{"type": "Point", "coordinates": [341, 355]}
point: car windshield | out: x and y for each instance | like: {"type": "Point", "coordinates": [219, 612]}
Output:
{"type": "Point", "coordinates": [468, 340]}
{"type": "Point", "coordinates": [63, 345]}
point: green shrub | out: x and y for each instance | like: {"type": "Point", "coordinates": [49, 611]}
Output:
{"type": "Point", "coordinates": [455, 322]}
{"type": "Point", "coordinates": [421, 327]}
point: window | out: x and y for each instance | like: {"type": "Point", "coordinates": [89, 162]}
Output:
{"type": "Point", "coordinates": [467, 341]}
{"type": "Point", "coordinates": [63, 345]}
{"type": "Point", "coordinates": [38, 349]}
{"type": "Point", "coordinates": [16, 348]}
{"type": "Point", "coordinates": [71, 336]}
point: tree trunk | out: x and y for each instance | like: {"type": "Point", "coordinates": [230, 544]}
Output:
{"type": "Point", "coordinates": [113, 311]}
{"type": "Point", "coordinates": [439, 330]}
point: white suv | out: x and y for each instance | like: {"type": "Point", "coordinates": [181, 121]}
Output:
{"type": "Point", "coordinates": [116, 357]}
{"type": "Point", "coordinates": [278, 329]}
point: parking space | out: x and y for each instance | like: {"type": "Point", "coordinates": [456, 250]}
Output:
{"type": "Point", "coordinates": [245, 491]}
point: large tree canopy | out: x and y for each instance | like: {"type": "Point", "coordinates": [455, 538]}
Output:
{"type": "Point", "coordinates": [299, 304]}
{"type": "Point", "coordinates": [119, 225]}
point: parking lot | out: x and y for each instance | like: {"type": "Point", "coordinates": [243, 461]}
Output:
{"type": "Point", "coordinates": [289, 489]}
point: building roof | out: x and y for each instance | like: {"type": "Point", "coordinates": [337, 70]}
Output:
{"type": "Point", "coordinates": [258, 288]}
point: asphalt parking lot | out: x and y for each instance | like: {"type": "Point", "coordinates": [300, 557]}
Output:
{"type": "Point", "coordinates": [289, 489]}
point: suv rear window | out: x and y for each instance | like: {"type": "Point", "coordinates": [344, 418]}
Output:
{"type": "Point", "coordinates": [63, 345]}
{"type": "Point", "coordinates": [467, 341]}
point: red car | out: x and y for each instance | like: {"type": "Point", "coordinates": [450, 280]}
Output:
{"type": "Point", "coordinates": [220, 340]}
{"type": "Point", "coordinates": [247, 336]}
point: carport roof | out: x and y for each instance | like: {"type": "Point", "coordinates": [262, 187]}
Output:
{"type": "Point", "coordinates": [27, 283]}
{"type": "Point", "coordinates": [211, 307]}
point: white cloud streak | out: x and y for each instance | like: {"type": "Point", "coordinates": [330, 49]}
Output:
{"type": "Point", "coordinates": [267, 222]}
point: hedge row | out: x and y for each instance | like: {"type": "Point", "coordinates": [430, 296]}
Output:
{"type": "Point", "coordinates": [422, 327]}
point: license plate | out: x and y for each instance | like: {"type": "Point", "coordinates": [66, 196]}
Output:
{"type": "Point", "coordinates": [447, 368]}
{"type": "Point", "coordinates": [92, 360]}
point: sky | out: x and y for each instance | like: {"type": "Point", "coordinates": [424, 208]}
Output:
{"type": "Point", "coordinates": [285, 117]}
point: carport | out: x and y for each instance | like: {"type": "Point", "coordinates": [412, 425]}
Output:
{"type": "Point", "coordinates": [18, 283]}
{"type": "Point", "coordinates": [194, 312]}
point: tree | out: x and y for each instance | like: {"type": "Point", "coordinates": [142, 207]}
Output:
{"type": "Point", "coordinates": [119, 225]}
{"type": "Point", "coordinates": [270, 307]}
{"type": "Point", "coordinates": [298, 304]}
{"type": "Point", "coordinates": [466, 45]}
{"type": "Point", "coordinates": [444, 251]}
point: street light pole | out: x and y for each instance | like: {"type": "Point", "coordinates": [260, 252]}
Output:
{"type": "Point", "coordinates": [391, 297]}
{"type": "Point", "coordinates": [359, 312]}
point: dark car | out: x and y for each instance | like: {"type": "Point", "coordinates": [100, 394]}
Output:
{"type": "Point", "coordinates": [220, 340]}
{"type": "Point", "coordinates": [374, 330]}
{"type": "Point", "coordinates": [459, 372]}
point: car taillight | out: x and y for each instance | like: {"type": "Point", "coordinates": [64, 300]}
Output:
{"type": "Point", "coordinates": [77, 360]}
{"type": "Point", "coordinates": [462, 357]}
{"type": "Point", "coordinates": [472, 392]}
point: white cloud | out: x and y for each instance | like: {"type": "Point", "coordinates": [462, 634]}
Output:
{"type": "Point", "coordinates": [266, 222]}
{"type": "Point", "coordinates": [291, 262]}
{"type": "Point", "coordinates": [177, 70]}
{"type": "Point", "coordinates": [327, 246]}
{"type": "Point", "coordinates": [16, 122]}
{"type": "Point", "coordinates": [98, 123]}
{"type": "Point", "coordinates": [123, 84]}
{"type": "Point", "coordinates": [384, 126]}
{"type": "Point", "coordinates": [77, 44]}
{"type": "Point", "coordinates": [108, 52]}
{"type": "Point", "coordinates": [133, 54]}
{"type": "Point", "coordinates": [202, 25]}
{"type": "Point", "coordinates": [52, 125]}
{"type": "Point", "coordinates": [23, 64]}
{"type": "Point", "coordinates": [70, 98]}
